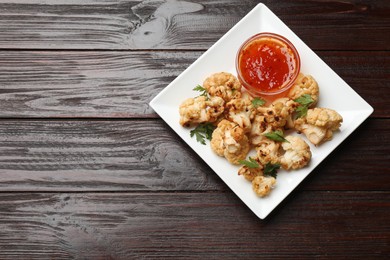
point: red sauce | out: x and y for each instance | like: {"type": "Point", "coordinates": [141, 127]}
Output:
{"type": "Point", "coordinates": [267, 64]}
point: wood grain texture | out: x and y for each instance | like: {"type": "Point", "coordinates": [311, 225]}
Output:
{"type": "Point", "coordinates": [192, 225]}
{"type": "Point", "coordinates": [100, 155]}
{"type": "Point", "coordinates": [177, 24]}
{"type": "Point", "coordinates": [88, 171]}
{"type": "Point", "coordinates": [121, 84]}
{"type": "Point", "coordinates": [146, 155]}
{"type": "Point", "coordinates": [85, 84]}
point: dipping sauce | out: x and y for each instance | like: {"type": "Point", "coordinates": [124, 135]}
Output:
{"type": "Point", "coordinates": [267, 64]}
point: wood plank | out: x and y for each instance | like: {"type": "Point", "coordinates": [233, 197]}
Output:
{"type": "Point", "coordinates": [97, 155]}
{"type": "Point", "coordinates": [146, 155]}
{"type": "Point", "coordinates": [134, 24]}
{"type": "Point", "coordinates": [195, 225]}
{"type": "Point", "coordinates": [85, 84]}
{"type": "Point", "coordinates": [121, 84]}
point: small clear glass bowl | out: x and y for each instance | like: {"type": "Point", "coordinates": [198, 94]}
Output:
{"type": "Point", "coordinates": [281, 90]}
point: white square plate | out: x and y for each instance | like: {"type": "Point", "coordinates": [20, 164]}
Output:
{"type": "Point", "coordinates": [334, 93]}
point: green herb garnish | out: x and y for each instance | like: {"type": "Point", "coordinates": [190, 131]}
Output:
{"type": "Point", "coordinates": [304, 102]}
{"type": "Point", "coordinates": [301, 111]}
{"type": "Point", "coordinates": [271, 169]}
{"type": "Point", "coordinates": [202, 91]}
{"type": "Point", "coordinates": [276, 136]}
{"type": "Point", "coordinates": [202, 132]}
{"type": "Point", "coordinates": [258, 102]}
{"type": "Point", "coordinates": [251, 163]}
{"type": "Point", "coordinates": [305, 99]}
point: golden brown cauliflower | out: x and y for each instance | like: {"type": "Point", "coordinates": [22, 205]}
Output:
{"type": "Point", "coordinates": [305, 84]}
{"type": "Point", "coordinates": [319, 124]}
{"type": "Point", "coordinates": [224, 85]}
{"type": "Point", "coordinates": [279, 113]}
{"type": "Point", "coordinates": [296, 155]}
{"type": "Point", "coordinates": [268, 151]}
{"type": "Point", "coordinates": [324, 117]}
{"type": "Point", "coordinates": [258, 129]}
{"type": "Point", "coordinates": [229, 140]}
{"type": "Point", "coordinates": [241, 112]}
{"type": "Point", "coordinates": [262, 185]}
{"type": "Point", "coordinates": [315, 134]}
{"type": "Point", "coordinates": [251, 173]}
{"type": "Point", "coordinates": [200, 109]}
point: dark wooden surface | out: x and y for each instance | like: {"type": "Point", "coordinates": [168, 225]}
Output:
{"type": "Point", "coordinates": [89, 171]}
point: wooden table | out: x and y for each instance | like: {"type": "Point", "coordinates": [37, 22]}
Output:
{"type": "Point", "coordinates": [88, 170]}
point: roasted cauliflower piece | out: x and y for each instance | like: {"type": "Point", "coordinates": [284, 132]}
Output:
{"type": "Point", "coordinates": [262, 185]}
{"type": "Point", "coordinates": [319, 124]}
{"type": "Point", "coordinates": [224, 85]}
{"type": "Point", "coordinates": [258, 129]}
{"type": "Point", "coordinates": [296, 153]}
{"type": "Point", "coordinates": [315, 134]}
{"type": "Point", "coordinates": [305, 84]}
{"type": "Point", "coordinates": [200, 110]}
{"type": "Point", "coordinates": [324, 117]}
{"type": "Point", "coordinates": [251, 173]}
{"type": "Point", "coordinates": [268, 151]}
{"type": "Point", "coordinates": [279, 113]}
{"type": "Point", "coordinates": [229, 140]}
{"type": "Point", "coordinates": [241, 112]}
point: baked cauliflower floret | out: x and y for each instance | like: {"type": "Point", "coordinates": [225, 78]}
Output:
{"type": "Point", "coordinates": [296, 155]}
{"type": "Point", "coordinates": [258, 129]}
{"type": "Point", "coordinates": [241, 112]}
{"type": "Point", "coordinates": [305, 84]}
{"type": "Point", "coordinates": [279, 113]}
{"type": "Point", "coordinates": [251, 173]}
{"type": "Point", "coordinates": [315, 134]}
{"type": "Point", "coordinates": [200, 109]}
{"type": "Point", "coordinates": [324, 117]}
{"type": "Point", "coordinates": [262, 185]}
{"type": "Point", "coordinates": [224, 85]}
{"type": "Point", "coordinates": [230, 141]}
{"type": "Point", "coordinates": [268, 151]}
{"type": "Point", "coordinates": [319, 124]}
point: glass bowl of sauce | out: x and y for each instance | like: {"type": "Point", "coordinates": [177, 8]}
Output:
{"type": "Point", "coordinates": [267, 65]}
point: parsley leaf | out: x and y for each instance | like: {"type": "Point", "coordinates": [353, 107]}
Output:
{"type": "Point", "coordinates": [301, 111]}
{"type": "Point", "coordinates": [304, 102]}
{"type": "Point", "coordinates": [251, 163]}
{"type": "Point", "coordinates": [202, 132]}
{"type": "Point", "coordinates": [202, 91]}
{"type": "Point", "coordinates": [305, 99]}
{"type": "Point", "coordinates": [276, 136]}
{"type": "Point", "coordinates": [257, 102]}
{"type": "Point", "coordinates": [271, 169]}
